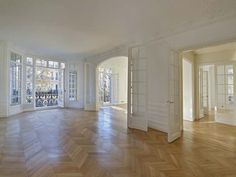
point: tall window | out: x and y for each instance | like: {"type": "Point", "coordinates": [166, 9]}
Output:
{"type": "Point", "coordinates": [49, 83]}
{"type": "Point", "coordinates": [72, 85]}
{"type": "Point", "coordinates": [15, 79]}
{"type": "Point", "coordinates": [29, 80]}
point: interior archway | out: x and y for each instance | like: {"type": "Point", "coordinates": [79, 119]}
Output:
{"type": "Point", "coordinates": [112, 83]}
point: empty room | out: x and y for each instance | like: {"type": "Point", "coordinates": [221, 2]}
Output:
{"type": "Point", "coordinates": [117, 88]}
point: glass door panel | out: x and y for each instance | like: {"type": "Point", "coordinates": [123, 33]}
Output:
{"type": "Point", "coordinates": [225, 86]}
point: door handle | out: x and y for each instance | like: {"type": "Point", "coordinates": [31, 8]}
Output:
{"type": "Point", "coordinates": [170, 102]}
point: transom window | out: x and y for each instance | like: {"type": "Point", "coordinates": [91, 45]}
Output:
{"type": "Point", "coordinates": [53, 64]}
{"type": "Point", "coordinates": [40, 62]}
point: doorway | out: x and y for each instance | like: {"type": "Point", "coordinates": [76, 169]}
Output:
{"type": "Point", "coordinates": [188, 92]}
{"type": "Point", "coordinates": [112, 83]}
{"type": "Point", "coordinates": [209, 95]}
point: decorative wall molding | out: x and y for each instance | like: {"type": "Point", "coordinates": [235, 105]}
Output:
{"type": "Point", "coordinates": [158, 116]}
{"type": "Point", "coordinates": [115, 52]}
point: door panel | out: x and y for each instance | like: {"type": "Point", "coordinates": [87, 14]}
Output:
{"type": "Point", "coordinates": [201, 107]}
{"type": "Point", "coordinates": [137, 83]}
{"type": "Point", "coordinates": [174, 131]}
{"type": "Point", "coordinates": [205, 92]}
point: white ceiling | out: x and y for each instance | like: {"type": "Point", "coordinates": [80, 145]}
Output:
{"type": "Point", "coordinates": [86, 27]}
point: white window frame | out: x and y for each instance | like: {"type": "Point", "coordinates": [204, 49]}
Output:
{"type": "Point", "coordinates": [18, 79]}
{"type": "Point", "coordinates": [73, 85]}
{"type": "Point", "coordinates": [32, 81]}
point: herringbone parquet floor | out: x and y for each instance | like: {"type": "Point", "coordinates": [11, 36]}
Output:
{"type": "Point", "coordinates": [72, 143]}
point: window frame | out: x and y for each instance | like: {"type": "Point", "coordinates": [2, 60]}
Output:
{"type": "Point", "coordinates": [32, 66]}
{"type": "Point", "coordinates": [17, 77]}
{"type": "Point", "coordinates": [73, 84]}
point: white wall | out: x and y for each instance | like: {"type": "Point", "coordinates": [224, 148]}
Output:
{"type": "Point", "coordinates": [3, 80]}
{"type": "Point", "coordinates": [159, 53]}
{"type": "Point", "coordinates": [119, 66]}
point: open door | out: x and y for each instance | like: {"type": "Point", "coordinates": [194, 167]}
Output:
{"type": "Point", "coordinates": [137, 92]}
{"type": "Point", "coordinates": [174, 103]}
{"type": "Point", "coordinates": [203, 90]}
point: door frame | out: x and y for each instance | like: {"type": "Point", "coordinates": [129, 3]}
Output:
{"type": "Point", "coordinates": [196, 67]}
{"type": "Point", "coordinates": [97, 102]}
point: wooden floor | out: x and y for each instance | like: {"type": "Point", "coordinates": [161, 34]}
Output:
{"type": "Point", "coordinates": [72, 143]}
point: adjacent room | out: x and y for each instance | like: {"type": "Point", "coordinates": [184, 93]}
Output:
{"type": "Point", "coordinates": [209, 84]}
{"type": "Point", "coordinates": [112, 83]}
{"type": "Point", "coordinates": [117, 88]}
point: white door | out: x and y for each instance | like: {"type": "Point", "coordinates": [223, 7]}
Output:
{"type": "Point", "coordinates": [174, 131]}
{"type": "Point", "coordinates": [137, 92]}
{"type": "Point", "coordinates": [203, 90]}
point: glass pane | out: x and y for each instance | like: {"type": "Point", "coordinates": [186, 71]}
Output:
{"type": "Point", "coordinates": [51, 64]}
{"type": "Point", "coordinates": [15, 83]}
{"type": "Point", "coordinates": [29, 73]}
{"type": "Point", "coordinates": [72, 85]}
{"type": "Point", "coordinates": [29, 61]}
{"type": "Point", "coordinates": [230, 89]}
{"type": "Point", "coordinates": [230, 79]}
{"type": "Point", "coordinates": [62, 65]}
{"type": "Point", "coordinates": [229, 69]}
{"type": "Point", "coordinates": [44, 63]}
{"type": "Point", "coordinates": [40, 62]}
{"type": "Point", "coordinates": [225, 87]}
{"type": "Point", "coordinates": [56, 65]}
{"type": "Point", "coordinates": [29, 88]}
